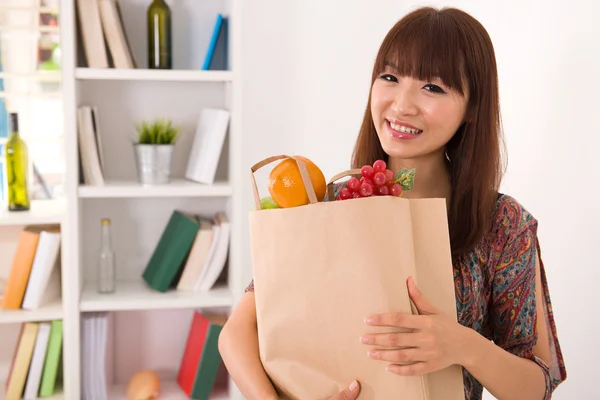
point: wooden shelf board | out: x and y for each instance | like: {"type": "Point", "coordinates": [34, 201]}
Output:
{"type": "Point", "coordinates": [139, 74]}
{"type": "Point", "coordinates": [176, 188]}
{"type": "Point", "coordinates": [48, 312]}
{"type": "Point", "coordinates": [41, 212]}
{"type": "Point", "coordinates": [137, 295]}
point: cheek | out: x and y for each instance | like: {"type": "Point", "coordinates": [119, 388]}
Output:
{"type": "Point", "coordinates": [444, 116]}
{"type": "Point", "coordinates": [379, 103]}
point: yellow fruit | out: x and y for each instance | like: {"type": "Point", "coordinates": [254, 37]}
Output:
{"type": "Point", "coordinates": [286, 186]}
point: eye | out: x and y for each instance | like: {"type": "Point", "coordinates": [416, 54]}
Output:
{"type": "Point", "coordinates": [388, 77]}
{"type": "Point", "coordinates": [434, 88]}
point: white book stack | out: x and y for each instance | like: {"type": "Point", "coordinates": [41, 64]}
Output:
{"type": "Point", "coordinates": [208, 255]}
{"type": "Point", "coordinates": [207, 145]}
{"type": "Point", "coordinates": [97, 350]}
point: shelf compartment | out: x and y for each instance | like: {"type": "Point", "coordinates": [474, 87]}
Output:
{"type": "Point", "coordinates": [177, 188]}
{"type": "Point", "coordinates": [41, 212]}
{"type": "Point", "coordinates": [136, 295]}
{"type": "Point", "coordinates": [138, 74]}
{"type": "Point", "coordinates": [48, 312]}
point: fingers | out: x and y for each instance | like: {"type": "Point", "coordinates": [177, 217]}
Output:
{"type": "Point", "coordinates": [400, 320]}
{"type": "Point", "coordinates": [400, 356]}
{"type": "Point", "coordinates": [391, 339]}
{"type": "Point", "coordinates": [349, 393]}
{"type": "Point", "coordinates": [419, 368]}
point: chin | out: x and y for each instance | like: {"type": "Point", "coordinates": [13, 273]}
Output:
{"type": "Point", "coordinates": [418, 147]}
{"type": "Point", "coordinates": [398, 149]}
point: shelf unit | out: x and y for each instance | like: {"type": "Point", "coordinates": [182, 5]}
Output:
{"type": "Point", "coordinates": [139, 213]}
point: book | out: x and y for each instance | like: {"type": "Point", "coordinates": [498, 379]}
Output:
{"type": "Point", "coordinates": [90, 25]}
{"type": "Point", "coordinates": [90, 145]}
{"type": "Point", "coordinates": [19, 368]}
{"type": "Point", "coordinates": [217, 254]}
{"type": "Point", "coordinates": [165, 265]}
{"type": "Point", "coordinates": [201, 360]}
{"type": "Point", "coordinates": [114, 34]}
{"type": "Point", "coordinates": [217, 52]}
{"type": "Point", "coordinates": [207, 145]}
{"type": "Point", "coordinates": [22, 263]}
{"type": "Point", "coordinates": [44, 285]}
{"type": "Point", "coordinates": [198, 257]}
{"type": "Point", "coordinates": [37, 361]}
{"type": "Point", "coordinates": [52, 363]}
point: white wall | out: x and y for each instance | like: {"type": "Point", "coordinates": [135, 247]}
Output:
{"type": "Point", "coordinates": [307, 66]}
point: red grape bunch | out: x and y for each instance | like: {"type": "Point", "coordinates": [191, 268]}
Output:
{"type": "Point", "coordinates": [375, 180]}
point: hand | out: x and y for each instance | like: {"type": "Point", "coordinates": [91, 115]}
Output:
{"type": "Point", "coordinates": [349, 393]}
{"type": "Point", "coordinates": [431, 341]}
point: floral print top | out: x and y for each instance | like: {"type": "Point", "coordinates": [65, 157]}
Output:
{"type": "Point", "coordinates": [495, 287]}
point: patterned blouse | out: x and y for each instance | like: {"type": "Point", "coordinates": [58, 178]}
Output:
{"type": "Point", "coordinates": [495, 292]}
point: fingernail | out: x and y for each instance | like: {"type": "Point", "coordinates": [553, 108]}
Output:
{"type": "Point", "coordinates": [353, 386]}
{"type": "Point", "coordinates": [364, 339]}
{"type": "Point", "coordinates": [368, 320]}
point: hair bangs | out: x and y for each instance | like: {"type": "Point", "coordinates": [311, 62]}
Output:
{"type": "Point", "coordinates": [425, 47]}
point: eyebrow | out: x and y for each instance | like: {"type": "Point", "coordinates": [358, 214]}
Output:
{"type": "Point", "coordinates": [391, 65]}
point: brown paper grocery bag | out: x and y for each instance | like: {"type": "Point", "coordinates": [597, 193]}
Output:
{"type": "Point", "coordinates": [320, 269]}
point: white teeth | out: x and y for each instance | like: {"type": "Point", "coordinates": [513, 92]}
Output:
{"type": "Point", "coordinates": [404, 129]}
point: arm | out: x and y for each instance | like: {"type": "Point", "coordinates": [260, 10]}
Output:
{"type": "Point", "coordinates": [525, 361]}
{"type": "Point", "coordinates": [506, 375]}
{"type": "Point", "coordinates": [238, 345]}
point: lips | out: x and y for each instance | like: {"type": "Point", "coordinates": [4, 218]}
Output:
{"type": "Point", "coordinates": [402, 127]}
{"type": "Point", "coordinates": [402, 131]}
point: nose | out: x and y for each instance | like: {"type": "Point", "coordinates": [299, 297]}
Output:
{"type": "Point", "coordinates": [404, 102]}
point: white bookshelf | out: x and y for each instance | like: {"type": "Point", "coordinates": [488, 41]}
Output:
{"type": "Point", "coordinates": [149, 328]}
{"type": "Point", "coordinates": [153, 75]}
{"type": "Point", "coordinates": [176, 188]}
{"type": "Point", "coordinates": [49, 312]}
{"type": "Point", "coordinates": [134, 295]}
{"type": "Point", "coordinates": [41, 212]}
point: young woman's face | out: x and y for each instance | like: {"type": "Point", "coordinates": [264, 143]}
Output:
{"type": "Point", "coordinates": [414, 118]}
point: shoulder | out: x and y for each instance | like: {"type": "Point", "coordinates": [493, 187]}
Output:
{"type": "Point", "coordinates": [511, 218]}
{"type": "Point", "coordinates": [513, 238]}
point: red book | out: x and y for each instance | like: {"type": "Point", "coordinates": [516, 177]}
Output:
{"type": "Point", "coordinates": [195, 348]}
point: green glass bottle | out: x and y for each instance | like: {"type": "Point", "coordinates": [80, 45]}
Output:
{"type": "Point", "coordinates": [17, 164]}
{"type": "Point", "coordinates": [159, 35]}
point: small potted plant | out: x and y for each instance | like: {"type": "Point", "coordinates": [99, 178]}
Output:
{"type": "Point", "coordinates": [154, 150]}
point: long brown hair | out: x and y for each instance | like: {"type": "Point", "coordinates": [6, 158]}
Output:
{"type": "Point", "coordinates": [450, 44]}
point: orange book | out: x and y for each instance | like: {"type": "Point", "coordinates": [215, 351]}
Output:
{"type": "Point", "coordinates": [21, 268]}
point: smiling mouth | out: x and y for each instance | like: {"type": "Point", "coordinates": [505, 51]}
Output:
{"type": "Point", "coordinates": [404, 129]}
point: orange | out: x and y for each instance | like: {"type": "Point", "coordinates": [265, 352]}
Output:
{"type": "Point", "coordinates": [286, 186]}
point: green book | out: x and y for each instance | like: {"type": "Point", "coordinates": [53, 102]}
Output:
{"type": "Point", "coordinates": [209, 364]}
{"type": "Point", "coordinates": [53, 358]}
{"type": "Point", "coordinates": [165, 264]}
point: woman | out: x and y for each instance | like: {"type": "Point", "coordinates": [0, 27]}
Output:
{"type": "Point", "coordinates": [434, 106]}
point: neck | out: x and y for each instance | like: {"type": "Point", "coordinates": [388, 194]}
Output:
{"type": "Point", "coordinates": [432, 176]}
